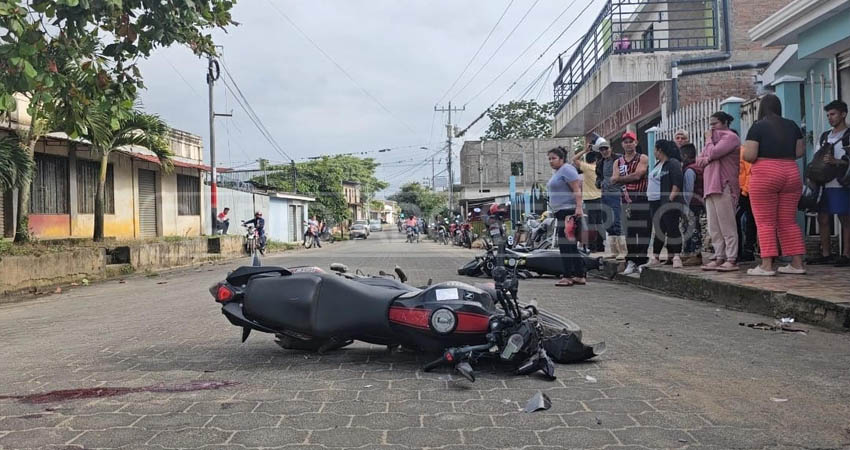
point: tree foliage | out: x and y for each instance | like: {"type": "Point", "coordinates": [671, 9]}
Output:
{"type": "Point", "coordinates": [15, 164]}
{"type": "Point", "coordinates": [524, 119]}
{"type": "Point", "coordinates": [135, 128]}
{"type": "Point", "coordinates": [415, 199]}
{"type": "Point", "coordinates": [323, 178]}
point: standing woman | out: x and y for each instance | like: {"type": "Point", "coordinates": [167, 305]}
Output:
{"type": "Point", "coordinates": [773, 144]}
{"type": "Point", "coordinates": [664, 192]}
{"type": "Point", "coordinates": [720, 160]}
{"type": "Point", "coordinates": [565, 200]}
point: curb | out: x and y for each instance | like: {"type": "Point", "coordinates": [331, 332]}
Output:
{"type": "Point", "coordinates": [769, 302]}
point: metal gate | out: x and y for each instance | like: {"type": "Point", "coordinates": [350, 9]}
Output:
{"type": "Point", "coordinates": [293, 225]}
{"type": "Point", "coordinates": [147, 203]}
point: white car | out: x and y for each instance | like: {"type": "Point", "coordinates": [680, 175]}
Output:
{"type": "Point", "coordinates": [365, 227]}
{"type": "Point", "coordinates": [375, 225]}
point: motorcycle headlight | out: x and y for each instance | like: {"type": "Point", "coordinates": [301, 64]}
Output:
{"type": "Point", "coordinates": [443, 321]}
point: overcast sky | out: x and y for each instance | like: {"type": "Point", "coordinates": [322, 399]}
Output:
{"type": "Point", "coordinates": [404, 54]}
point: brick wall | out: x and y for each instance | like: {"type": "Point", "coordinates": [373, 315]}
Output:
{"type": "Point", "coordinates": [745, 15]}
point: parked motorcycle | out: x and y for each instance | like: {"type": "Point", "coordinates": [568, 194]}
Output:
{"type": "Point", "coordinates": [309, 309]}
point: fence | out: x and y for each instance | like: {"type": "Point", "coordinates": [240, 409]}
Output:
{"type": "Point", "coordinates": [749, 114]}
{"type": "Point", "coordinates": [693, 118]}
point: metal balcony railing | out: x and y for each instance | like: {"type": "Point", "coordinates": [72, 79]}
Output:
{"type": "Point", "coordinates": [638, 26]}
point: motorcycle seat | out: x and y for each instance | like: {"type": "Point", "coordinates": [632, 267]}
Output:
{"type": "Point", "coordinates": [320, 305]}
{"type": "Point", "coordinates": [388, 283]}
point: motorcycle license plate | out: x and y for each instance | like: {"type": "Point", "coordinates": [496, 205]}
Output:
{"type": "Point", "coordinates": [495, 232]}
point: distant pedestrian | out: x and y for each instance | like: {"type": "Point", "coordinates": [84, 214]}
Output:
{"type": "Point", "coordinates": [664, 192]}
{"type": "Point", "coordinates": [719, 158]}
{"type": "Point", "coordinates": [836, 198]}
{"type": "Point", "coordinates": [565, 199]}
{"type": "Point", "coordinates": [591, 194]}
{"type": "Point", "coordinates": [682, 138]}
{"type": "Point", "coordinates": [692, 196]}
{"type": "Point", "coordinates": [631, 172]}
{"type": "Point", "coordinates": [773, 145]}
{"type": "Point", "coordinates": [222, 222]}
{"type": "Point", "coordinates": [611, 200]}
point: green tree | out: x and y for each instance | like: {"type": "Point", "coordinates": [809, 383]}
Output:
{"type": "Point", "coordinates": [67, 56]}
{"type": "Point", "coordinates": [415, 199]}
{"type": "Point", "coordinates": [323, 178]}
{"type": "Point", "coordinates": [520, 120]}
{"type": "Point", "coordinates": [15, 164]}
{"type": "Point", "coordinates": [135, 128]}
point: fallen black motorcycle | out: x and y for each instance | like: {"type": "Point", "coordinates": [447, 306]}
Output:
{"type": "Point", "coordinates": [530, 263]}
{"type": "Point", "coordinates": [309, 309]}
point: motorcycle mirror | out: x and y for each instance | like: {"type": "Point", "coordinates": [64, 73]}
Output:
{"type": "Point", "coordinates": [466, 371]}
{"type": "Point", "coordinates": [339, 267]}
{"type": "Point", "coordinates": [401, 275]}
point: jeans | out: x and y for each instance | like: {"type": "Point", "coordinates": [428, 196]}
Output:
{"type": "Point", "coordinates": [595, 219]}
{"type": "Point", "coordinates": [222, 226]}
{"type": "Point", "coordinates": [573, 265]}
{"type": "Point", "coordinates": [613, 217]}
{"type": "Point", "coordinates": [638, 228]}
{"type": "Point", "coordinates": [665, 223]}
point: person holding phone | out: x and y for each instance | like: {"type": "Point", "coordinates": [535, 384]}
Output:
{"type": "Point", "coordinates": [566, 201]}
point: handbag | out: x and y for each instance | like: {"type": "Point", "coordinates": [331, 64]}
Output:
{"type": "Point", "coordinates": [811, 197]}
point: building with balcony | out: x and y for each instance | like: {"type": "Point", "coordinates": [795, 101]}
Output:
{"type": "Point", "coordinates": [644, 59]}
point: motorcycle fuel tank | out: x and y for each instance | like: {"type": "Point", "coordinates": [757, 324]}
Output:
{"type": "Point", "coordinates": [446, 314]}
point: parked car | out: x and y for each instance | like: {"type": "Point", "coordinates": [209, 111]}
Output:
{"type": "Point", "coordinates": [365, 223]}
{"type": "Point", "coordinates": [375, 225]}
{"type": "Point", "coordinates": [359, 230]}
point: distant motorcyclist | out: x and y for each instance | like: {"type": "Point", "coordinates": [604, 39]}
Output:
{"type": "Point", "coordinates": [260, 224]}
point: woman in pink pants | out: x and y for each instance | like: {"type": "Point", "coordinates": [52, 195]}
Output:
{"type": "Point", "coordinates": [773, 144]}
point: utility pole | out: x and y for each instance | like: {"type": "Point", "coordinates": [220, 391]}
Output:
{"type": "Point", "coordinates": [450, 135]}
{"type": "Point", "coordinates": [294, 176]}
{"type": "Point", "coordinates": [213, 73]}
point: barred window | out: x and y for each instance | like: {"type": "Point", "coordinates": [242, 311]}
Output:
{"type": "Point", "coordinates": [88, 173]}
{"type": "Point", "coordinates": [188, 196]}
{"type": "Point", "coordinates": [49, 189]}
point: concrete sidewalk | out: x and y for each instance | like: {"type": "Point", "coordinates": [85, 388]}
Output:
{"type": "Point", "coordinates": [821, 297]}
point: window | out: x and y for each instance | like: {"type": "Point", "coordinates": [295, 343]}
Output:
{"type": "Point", "coordinates": [87, 177]}
{"type": "Point", "coordinates": [188, 196]}
{"type": "Point", "coordinates": [516, 169]}
{"type": "Point", "coordinates": [49, 190]}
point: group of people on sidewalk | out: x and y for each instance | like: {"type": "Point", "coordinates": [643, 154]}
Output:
{"type": "Point", "coordinates": [747, 190]}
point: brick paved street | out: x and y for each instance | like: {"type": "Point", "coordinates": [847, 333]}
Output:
{"type": "Point", "coordinates": [678, 374]}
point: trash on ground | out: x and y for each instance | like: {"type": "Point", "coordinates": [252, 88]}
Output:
{"type": "Point", "coordinates": [58, 290]}
{"type": "Point", "coordinates": [598, 420]}
{"type": "Point", "coordinates": [684, 441]}
{"type": "Point", "coordinates": [779, 400]}
{"type": "Point", "coordinates": [786, 320]}
{"type": "Point", "coordinates": [590, 379]}
{"type": "Point", "coordinates": [162, 282]}
{"type": "Point", "coordinates": [85, 281]}
{"type": "Point", "coordinates": [787, 327]}
{"type": "Point", "coordinates": [538, 402]}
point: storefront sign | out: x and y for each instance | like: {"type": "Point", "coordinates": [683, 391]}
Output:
{"type": "Point", "coordinates": [634, 110]}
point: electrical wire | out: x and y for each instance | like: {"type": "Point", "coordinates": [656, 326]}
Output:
{"type": "Point", "coordinates": [511, 86]}
{"type": "Point", "coordinates": [545, 82]}
{"type": "Point", "coordinates": [249, 110]}
{"type": "Point", "coordinates": [527, 12]}
{"type": "Point", "coordinates": [480, 47]}
{"type": "Point", "coordinates": [339, 67]}
{"type": "Point", "coordinates": [539, 36]}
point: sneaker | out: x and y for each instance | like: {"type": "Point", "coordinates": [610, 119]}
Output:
{"type": "Point", "coordinates": [631, 268]}
{"type": "Point", "coordinates": [712, 265]}
{"type": "Point", "coordinates": [791, 270]}
{"type": "Point", "coordinates": [653, 261]}
{"type": "Point", "coordinates": [842, 261]}
{"type": "Point", "coordinates": [692, 261]}
{"type": "Point", "coordinates": [828, 259]}
{"type": "Point", "coordinates": [677, 262]}
{"type": "Point", "coordinates": [757, 271]}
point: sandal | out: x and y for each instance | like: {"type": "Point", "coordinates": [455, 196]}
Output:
{"type": "Point", "coordinates": [580, 281]}
{"type": "Point", "coordinates": [712, 265]}
{"type": "Point", "coordinates": [759, 272]}
{"type": "Point", "coordinates": [564, 282]}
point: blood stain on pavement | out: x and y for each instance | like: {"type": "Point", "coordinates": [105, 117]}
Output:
{"type": "Point", "coordinates": [102, 392]}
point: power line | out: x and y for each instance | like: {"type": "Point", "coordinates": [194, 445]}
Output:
{"type": "Point", "coordinates": [545, 82]}
{"type": "Point", "coordinates": [511, 86]}
{"type": "Point", "coordinates": [480, 47]}
{"type": "Point", "coordinates": [497, 49]}
{"type": "Point", "coordinates": [249, 110]}
{"type": "Point", "coordinates": [338, 66]}
{"type": "Point", "coordinates": [551, 24]}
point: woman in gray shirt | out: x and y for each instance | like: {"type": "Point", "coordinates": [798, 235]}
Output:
{"type": "Point", "coordinates": [565, 200]}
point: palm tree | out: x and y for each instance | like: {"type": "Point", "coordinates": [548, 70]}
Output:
{"type": "Point", "coordinates": [134, 129]}
{"type": "Point", "coordinates": [15, 164]}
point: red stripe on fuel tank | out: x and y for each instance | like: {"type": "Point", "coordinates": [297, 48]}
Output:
{"type": "Point", "coordinates": [472, 323]}
{"type": "Point", "coordinates": [413, 317]}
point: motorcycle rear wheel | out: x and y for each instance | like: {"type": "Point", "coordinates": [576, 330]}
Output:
{"type": "Point", "coordinates": [554, 324]}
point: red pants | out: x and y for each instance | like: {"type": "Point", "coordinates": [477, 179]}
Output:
{"type": "Point", "coordinates": [775, 189]}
